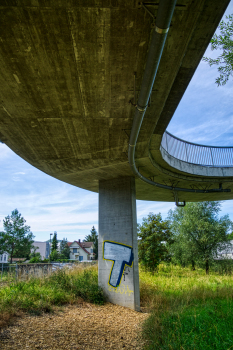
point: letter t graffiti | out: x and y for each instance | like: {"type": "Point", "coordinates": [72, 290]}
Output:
{"type": "Point", "coordinates": [121, 255]}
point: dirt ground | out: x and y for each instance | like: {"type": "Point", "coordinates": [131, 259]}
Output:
{"type": "Point", "coordinates": [76, 327]}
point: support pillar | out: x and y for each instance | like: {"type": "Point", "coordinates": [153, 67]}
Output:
{"type": "Point", "coordinates": [118, 249]}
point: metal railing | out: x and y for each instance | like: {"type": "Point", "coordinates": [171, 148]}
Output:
{"type": "Point", "coordinates": [209, 156]}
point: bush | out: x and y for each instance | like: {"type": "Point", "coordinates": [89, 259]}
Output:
{"type": "Point", "coordinates": [84, 285]}
{"type": "Point", "coordinates": [35, 260]}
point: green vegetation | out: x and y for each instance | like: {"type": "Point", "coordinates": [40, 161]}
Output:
{"type": "Point", "coordinates": [40, 295]}
{"type": "Point", "coordinates": [17, 239]}
{"type": "Point", "coordinates": [35, 257]}
{"type": "Point", "coordinates": [224, 43]}
{"type": "Point", "coordinates": [199, 234]}
{"type": "Point", "coordinates": [64, 249]}
{"type": "Point", "coordinates": [93, 237]}
{"type": "Point", "coordinates": [154, 239]}
{"type": "Point", "coordinates": [189, 309]}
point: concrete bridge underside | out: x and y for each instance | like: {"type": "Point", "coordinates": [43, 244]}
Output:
{"type": "Point", "coordinates": [67, 76]}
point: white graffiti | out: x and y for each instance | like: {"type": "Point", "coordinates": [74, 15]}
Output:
{"type": "Point", "coordinates": [121, 255]}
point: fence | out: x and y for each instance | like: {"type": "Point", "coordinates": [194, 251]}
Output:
{"type": "Point", "coordinates": [24, 271]}
{"type": "Point", "coordinates": [209, 156]}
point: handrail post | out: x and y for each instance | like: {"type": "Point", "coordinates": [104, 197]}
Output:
{"type": "Point", "coordinates": [186, 151]}
{"type": "Point", "coordinates": [166, 142]}
{"type": "Point", "coordinates": [211, 156]}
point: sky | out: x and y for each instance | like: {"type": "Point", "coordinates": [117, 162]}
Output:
{"type": "Point", "coordinates": [204, 116]}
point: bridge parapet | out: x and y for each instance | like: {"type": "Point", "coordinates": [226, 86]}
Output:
{"type": "Point", "coordinates": [208, 156]}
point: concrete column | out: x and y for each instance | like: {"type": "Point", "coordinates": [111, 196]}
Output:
{"type": "Point", "coordinates": [118, 250]}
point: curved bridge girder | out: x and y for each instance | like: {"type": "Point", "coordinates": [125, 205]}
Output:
{"type": "Point", "coordinates": [67, 76]}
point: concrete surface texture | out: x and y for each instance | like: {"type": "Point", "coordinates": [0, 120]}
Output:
{"type": "Point", "coordinates": [67, 76]}
{"type": "Point", "coordinates": [118, 251]}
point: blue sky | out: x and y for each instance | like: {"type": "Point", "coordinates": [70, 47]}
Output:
{"type": "Point", "coordinates": [204, 115]}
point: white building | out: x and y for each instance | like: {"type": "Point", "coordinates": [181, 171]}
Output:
{"type": "Point", "coordinates": [4, 258]}
{"type": "Point", "coordinates": [42, 248]}
{"type": "Point", "coordinates": [225, 254]}
{"type": "Point", "coordinates": [81, 251]}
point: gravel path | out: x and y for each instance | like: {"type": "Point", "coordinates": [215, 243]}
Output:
{"type": "Point", "coordinates": [76, 327]}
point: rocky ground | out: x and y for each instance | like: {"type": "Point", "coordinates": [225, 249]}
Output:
{"type": "Point", "coordinates": [76, 327]}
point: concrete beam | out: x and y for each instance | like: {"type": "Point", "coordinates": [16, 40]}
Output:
{"type": "Point", "coordinates": [118, 251]}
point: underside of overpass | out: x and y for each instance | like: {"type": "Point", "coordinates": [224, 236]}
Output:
{"type": "Point", "coordinates": [68, 72]}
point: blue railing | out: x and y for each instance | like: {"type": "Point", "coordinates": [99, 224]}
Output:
{"type": "Point", "coordinates": [209, 156]}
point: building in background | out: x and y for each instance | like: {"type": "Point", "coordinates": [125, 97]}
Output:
{"type": "Point", "coordinates": [43, 248]}
{"type": "Point", "coordinates": [4, 258]}
{"type": "Point", "coordinates": [81, 251]}
{"type": "Point", "coordinates": [89, 246]}
{"type": "Point", "coordinates": [225, 254]}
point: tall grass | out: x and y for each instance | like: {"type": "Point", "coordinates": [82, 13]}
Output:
{"type": "Point", "coordinates": [189, 310]}
{"type": "Point", "coordinates": [39, 295]}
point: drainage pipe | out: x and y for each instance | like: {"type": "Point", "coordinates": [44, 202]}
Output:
{"type": "Point", "coordinates": [163, 21]}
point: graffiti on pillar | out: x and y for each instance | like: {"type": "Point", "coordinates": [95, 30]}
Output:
{"type": "Point", "coordinates": [123, 289]}
{"type": "Point", "coordinates": [122, 256]}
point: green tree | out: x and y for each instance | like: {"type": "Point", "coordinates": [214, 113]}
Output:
{"type": "Point", "coordinates": [224, 42]}
{"type": "Point", "coordinates": [54, 242]}
{"type": "Point", "coordinates": [64, 249]}
{"type": "Point", "coordinates": [17, 239]}
{"type": "Point", "coordinates": [154, 239]}
{"type": "Point", "coordinates": [199, 228]}
{"type": "Point", "coordinates": [35, 257]}
{"type": "Point", "coordinates": [182, 250]}
{"type": "Point", "coordinates": [93, 237]}
{"type": "Point", "coordinates": [54, 255]}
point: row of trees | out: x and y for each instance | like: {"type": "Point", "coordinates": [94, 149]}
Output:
{"type": "Point", "coordinates": [190, 235]}
{"type": "Point", "coordinates": [17, 240]}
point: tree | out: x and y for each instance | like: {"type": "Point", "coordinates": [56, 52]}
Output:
{"type": "Point", "coordinates": [54, 255]}
{"type": "Point", "coordinates": [224, 42]}
{"type": "Point", "coordinates": [35, 257]}
{"type": "Point", "coordinates": [154, 238]}
{"type": "Point", "coordinates": [93, 237]}
{"type": "Point", "coordinates": [182, 251]}
{"type": "Point", "coordinates": [54, 242]}
{"type": "Point", "coordinates": [64, 249]}
{"type": "Point", "coordinates": [201, 230]}
{"type": "Point", "coordinates": [17, 239]}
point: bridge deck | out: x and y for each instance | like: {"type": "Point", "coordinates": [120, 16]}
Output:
{"type": "Point", "coordinates": [67, 75]}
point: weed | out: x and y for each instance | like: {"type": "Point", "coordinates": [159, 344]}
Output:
{"type": "Point", "coordinates": [189, 310]}
{"type": "Point", "coordinates": [38, 295]}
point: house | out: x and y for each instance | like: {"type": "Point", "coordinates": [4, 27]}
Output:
{"type": "Point", "coordinates": [43, 248]}
{"type": "Point", "coordinates": [89, 246]}
{"type": "Point", "coordinates": [4, 258]}
{"type": "Point", "coordinates": [81, 251]}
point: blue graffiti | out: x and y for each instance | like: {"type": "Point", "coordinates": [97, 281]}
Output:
{"type": "Point", "coordinates": [121, 255]}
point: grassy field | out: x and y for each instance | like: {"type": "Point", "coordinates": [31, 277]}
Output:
{"type": "Point", "coordinates": [189, 310]}
{"type": "Point", "coordinates": [39, 295]}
